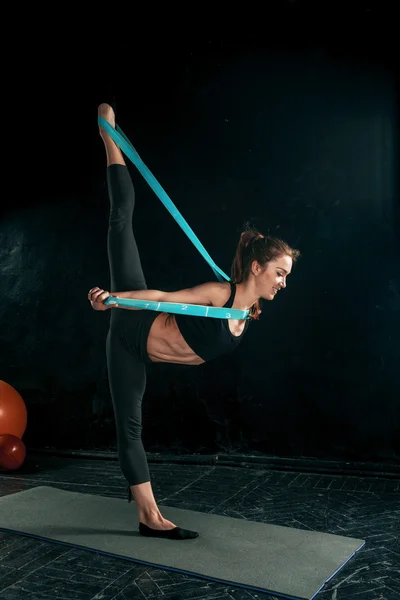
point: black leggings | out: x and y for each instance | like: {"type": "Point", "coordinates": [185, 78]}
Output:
{"type": "Point", "coordinates": [127, 337]}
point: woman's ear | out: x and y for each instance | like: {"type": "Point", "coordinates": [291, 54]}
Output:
{"type": "Point", "coordinates": [256, 268]}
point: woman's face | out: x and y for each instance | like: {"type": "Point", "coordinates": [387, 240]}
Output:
{"type": "Point", "coordinates": [273, 278]}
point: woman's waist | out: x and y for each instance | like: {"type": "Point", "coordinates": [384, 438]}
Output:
{"type": "Point", "coordinates": [166, 341]}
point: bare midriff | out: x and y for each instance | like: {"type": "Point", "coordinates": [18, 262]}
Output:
{"type": "Point", "coordinates": [165, 342]}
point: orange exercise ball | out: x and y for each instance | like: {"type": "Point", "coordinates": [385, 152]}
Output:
{"type": "Point", "coordinates": [13, 414]}
{"type": "Point", "coordinates": [12, 452]}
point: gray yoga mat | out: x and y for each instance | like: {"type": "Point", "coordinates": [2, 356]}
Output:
{"type": "Point", "coordinates": [287, 562]}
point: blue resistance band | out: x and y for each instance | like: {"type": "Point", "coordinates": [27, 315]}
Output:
{"type": "Point", "coordinates": [197, 310]}
{"type": "Point", "coordinates": [190, 309]}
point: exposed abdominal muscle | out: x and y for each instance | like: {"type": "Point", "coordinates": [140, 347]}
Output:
{"type": "Point", "coordinates": [166, 344]}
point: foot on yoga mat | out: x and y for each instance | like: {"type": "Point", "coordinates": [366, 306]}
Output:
{"type": "Point", "coordinates": [171, 534]}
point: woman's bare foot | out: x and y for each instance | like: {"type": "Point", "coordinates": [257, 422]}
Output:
{"type": "Point", "coordinates": [113, 153]}
{"type": "Point", "coordinates": [107, 112]}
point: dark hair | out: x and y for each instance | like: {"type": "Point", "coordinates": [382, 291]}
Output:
{"type": "Point", "coordinates": [253, 245]}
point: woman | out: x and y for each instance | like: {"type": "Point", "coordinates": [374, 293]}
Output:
{"type": "Point", "coordinates": [260, 269]}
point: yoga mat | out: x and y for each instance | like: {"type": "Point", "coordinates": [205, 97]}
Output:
{"type": "Point", "coordinates": [284, 561]}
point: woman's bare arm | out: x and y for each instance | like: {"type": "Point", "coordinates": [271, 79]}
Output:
{"type": "Point", "coordinates": [202, 294]}
{"type": "Point", "coordinates": [205, 294]}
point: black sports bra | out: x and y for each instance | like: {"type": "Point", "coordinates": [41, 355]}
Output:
{"type": "Point", "coordinates": [209, 337]}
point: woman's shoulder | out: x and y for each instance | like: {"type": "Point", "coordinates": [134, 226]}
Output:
{"type": "Point", "coordinates": [220, 293]}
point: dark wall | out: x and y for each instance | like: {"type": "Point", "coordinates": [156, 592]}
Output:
{"type": "Point", "coordinates": [301, 140]}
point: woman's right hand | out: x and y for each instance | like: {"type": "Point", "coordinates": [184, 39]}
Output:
{"type": "Point", "coordinates": [97, 297]}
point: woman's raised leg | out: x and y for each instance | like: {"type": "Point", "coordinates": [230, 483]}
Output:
{"type": "Point", "coordinates": [123, 254]}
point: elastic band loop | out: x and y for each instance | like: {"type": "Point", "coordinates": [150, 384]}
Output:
{"type": "Point", "coordinates": [171, 307]}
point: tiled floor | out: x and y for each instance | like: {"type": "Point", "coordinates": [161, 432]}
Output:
{"type": "Point", "coordinates": [360, 507]}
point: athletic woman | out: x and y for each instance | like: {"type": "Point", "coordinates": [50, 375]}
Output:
{"type": "Point", "coordinates": [259, 271]}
